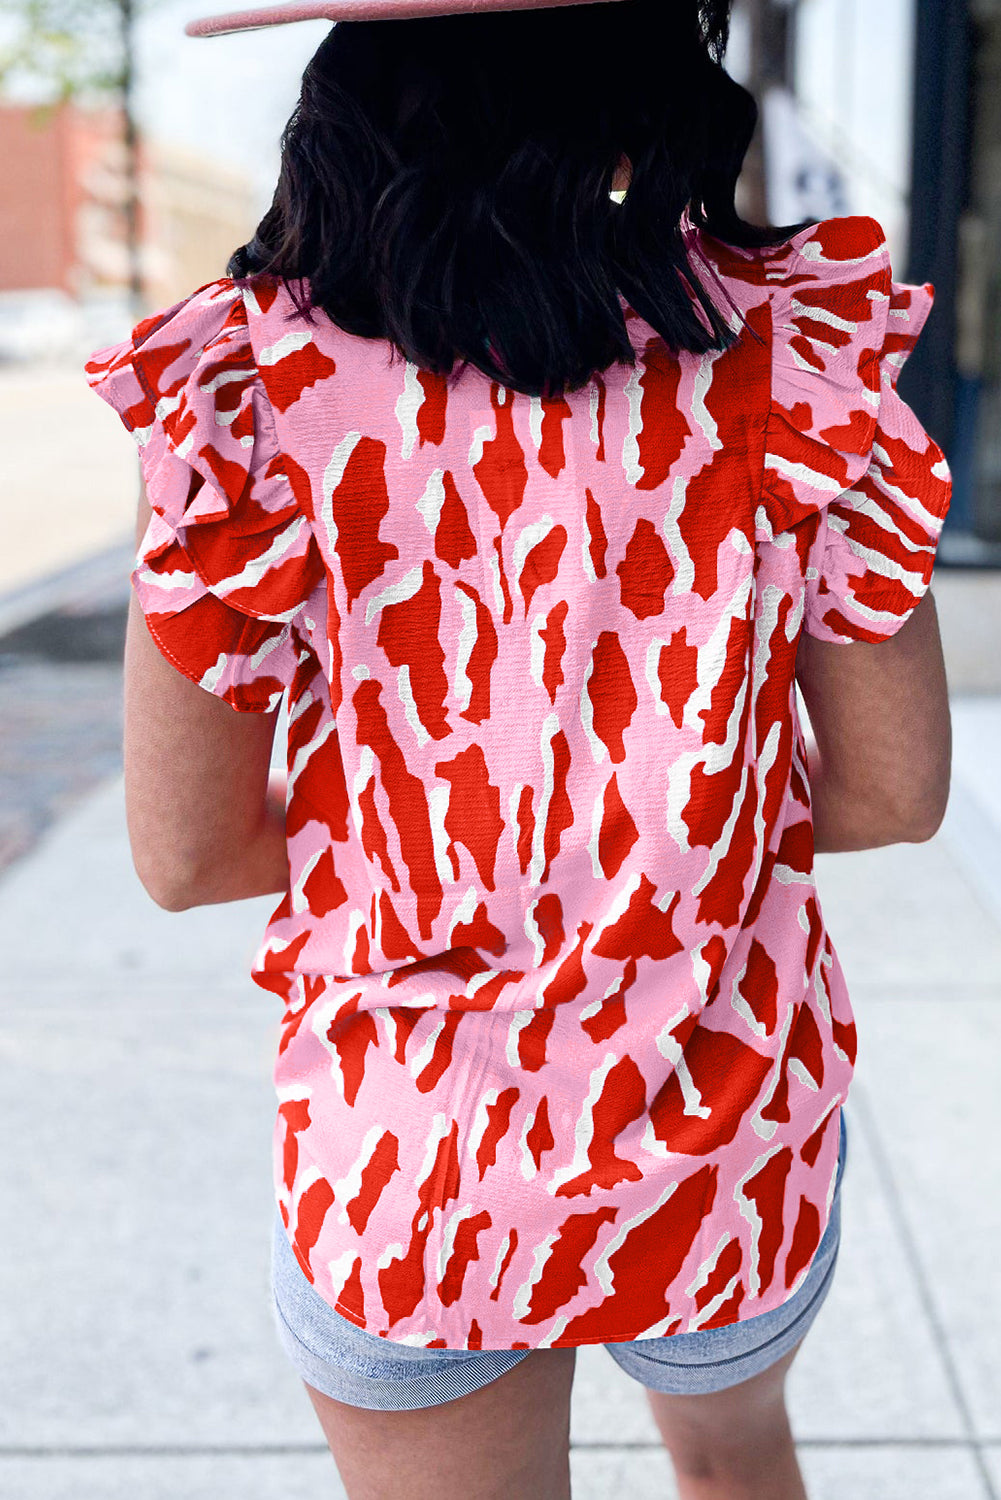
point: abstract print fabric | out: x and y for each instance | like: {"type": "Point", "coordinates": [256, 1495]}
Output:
{"type": "Point", "coordinates": [564, 1037]}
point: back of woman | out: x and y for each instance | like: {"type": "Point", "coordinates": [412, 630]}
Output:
{"type": "Point", "coordinates": [565, 1040]}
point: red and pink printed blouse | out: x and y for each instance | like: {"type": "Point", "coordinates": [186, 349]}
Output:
{"type": "Point", "coordinates": [565, 1038]}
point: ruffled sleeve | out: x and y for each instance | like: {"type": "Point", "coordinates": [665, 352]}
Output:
{"type": "Point", "coordinates": [842, 446]}
{"type": "Point", "coordinates": [229, 560]}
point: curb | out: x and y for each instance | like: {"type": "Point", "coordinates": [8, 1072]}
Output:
{"type": "Point", "coordinates": [93, 586]}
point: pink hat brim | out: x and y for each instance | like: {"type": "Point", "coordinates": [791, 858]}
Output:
{"type": "Point", "coordinates": [361, 10]}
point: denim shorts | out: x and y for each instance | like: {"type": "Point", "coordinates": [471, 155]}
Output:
{"type": "Point", "coordinates": [345, 1362]}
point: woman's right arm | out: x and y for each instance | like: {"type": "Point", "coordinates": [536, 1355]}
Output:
{"type": "Point", "coordinates": [879, 772]}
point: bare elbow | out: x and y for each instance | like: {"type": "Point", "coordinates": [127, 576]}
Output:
{"type": "Point", "coordinates": [172, 888]}
{"type": "Point", "coordinates": [926, 821]}
{"type": "Point", "coordinates": [920, 817]}
{"type": "Point", "coordinates": [171, 899]}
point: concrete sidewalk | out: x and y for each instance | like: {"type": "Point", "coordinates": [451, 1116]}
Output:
{"type": "Point", "coordinates": [139, 1354]}
{"type": "Point", "coordinates": [71, 477]}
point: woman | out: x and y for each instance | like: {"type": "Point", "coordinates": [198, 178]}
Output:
{"type": "Point", "coordinates": [535, 507]}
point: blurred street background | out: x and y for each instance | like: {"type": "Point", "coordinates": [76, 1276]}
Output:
{"type": "Point", "coordinates": [137, 1356]}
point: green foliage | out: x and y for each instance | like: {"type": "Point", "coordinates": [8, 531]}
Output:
{"type": "Point", "coordinates": [66, 49]}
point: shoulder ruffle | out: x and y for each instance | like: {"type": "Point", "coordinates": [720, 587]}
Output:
{"type": "Point", "coordinates": [842, 330]}
{"type": "Point", "coordinates": [187, 387]}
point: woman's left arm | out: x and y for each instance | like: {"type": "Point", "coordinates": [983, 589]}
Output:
{"type": "Point", "coordinates": [206, 818]}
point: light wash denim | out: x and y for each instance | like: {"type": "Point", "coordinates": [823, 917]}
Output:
{"type": "Point", "coordinates": [361, 1369]}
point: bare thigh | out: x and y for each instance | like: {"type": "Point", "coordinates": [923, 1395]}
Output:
{"type": "Point", "coordinates": [510, 1440]}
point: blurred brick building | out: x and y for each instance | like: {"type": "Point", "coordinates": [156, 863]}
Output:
{"type": "Point", "coordinates": [62, 221]}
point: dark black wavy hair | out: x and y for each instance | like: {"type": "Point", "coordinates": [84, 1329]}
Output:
{"type": "Point", "coordinates": [445, 185]}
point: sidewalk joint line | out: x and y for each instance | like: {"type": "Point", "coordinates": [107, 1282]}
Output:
{"type": "Point", "coordinates": [266, 1450]}
{"type": "Point", "coordinates": [898, 1214]}
{"type": "Point", "coordinates": [971, 834]}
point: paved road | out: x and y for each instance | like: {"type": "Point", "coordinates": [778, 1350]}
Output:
{"type": "Point", "coordinates": [61, 696]}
